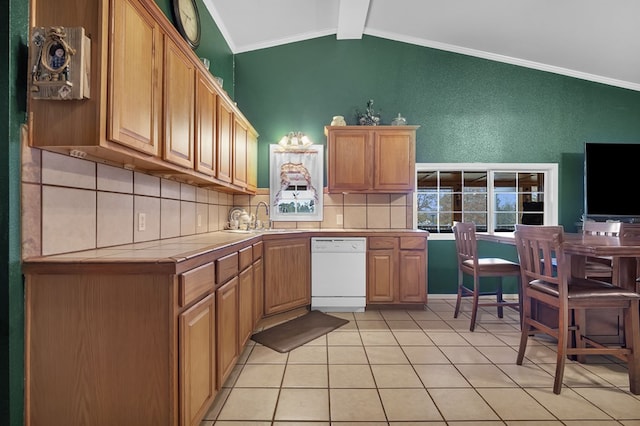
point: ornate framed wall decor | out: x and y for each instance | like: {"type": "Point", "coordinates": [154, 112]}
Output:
{"type": "Point", "coordinates": [60, 60]}
{"type": "Point", "coordinates": [296, 183]}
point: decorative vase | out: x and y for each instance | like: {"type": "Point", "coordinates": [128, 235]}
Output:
{"type": "Point", "coordinates": [338, 120]}
{"type": "Point", "coordinates": [399, 121]}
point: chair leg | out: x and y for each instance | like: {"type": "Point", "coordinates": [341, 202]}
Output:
{"type": "Point", "coordinates": [499, 299]}
{"type": "Point", "coordinates": [474, 309]}
{"type": "Point", "coordinates": [459, 299]}
{"type": "Point", "coordinates": [632, 339]}
{"type": "Point", "coordinates": [525, 312]}
{"type": "Point", "coordinates": [520, 302]}
{"type": "Point", "coordinates": [563, 341]}
{"type": "Point", "coordinates": [580, 322]}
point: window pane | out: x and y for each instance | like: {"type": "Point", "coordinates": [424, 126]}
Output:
{"type": "Point", "coordinates": [475, 181]}
{"type": "Point", "coordinates": [427, 201]}
{"type": "Point", "coordinates": [505, 202]}
{"type": "Point", "coordinates": [504, 182]}
{"type": "Point", "coordinates": [505, 221]}
{"type": "Point", "coordinates": [475, 202]}
{"type": "Point", "coordinates": [480, 219]}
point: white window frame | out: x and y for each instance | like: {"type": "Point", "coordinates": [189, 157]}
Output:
{"type": "Point", "coordinates": [550, 171]}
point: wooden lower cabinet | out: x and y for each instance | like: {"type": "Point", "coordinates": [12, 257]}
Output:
{"type": "Point", "coordinates": [227, 328]}
{"type": "Point", "coordinates": [198, 360]}
{"type": "Point", "coordinates": [287, 274]}
{"type": "Point", "coordinates": [397, 270]}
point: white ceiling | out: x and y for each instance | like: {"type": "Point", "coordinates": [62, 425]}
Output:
{"type": "Point", "coordinates": [597, 40]}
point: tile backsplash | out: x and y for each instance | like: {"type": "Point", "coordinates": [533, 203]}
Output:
{"type": "Point", "coordinates": [71, 204]}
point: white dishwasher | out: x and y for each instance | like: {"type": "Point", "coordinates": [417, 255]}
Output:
{"type": "Point", "coordinates": [338, 274]}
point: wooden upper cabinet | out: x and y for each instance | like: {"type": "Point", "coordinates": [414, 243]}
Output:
{"type": "Point", "coordinates": [371, 158]}
{"type": "Point", "coordinates": [153, 106]}
{"type": "Point", "coordinates": [135, 67]}
{"type": "Point", "coordinates": [179, 106]}
{"type": "Point", "coordinates": [240, 153]}
{"type": "Point", "coordinates": [225, 139]}
{"type": "Point", "coordinates": [206, 113]}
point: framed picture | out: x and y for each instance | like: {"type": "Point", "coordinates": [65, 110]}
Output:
{"type": "Point", "coordinates": [295, 183]}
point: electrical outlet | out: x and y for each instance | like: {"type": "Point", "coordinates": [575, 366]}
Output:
{"type": "Point", "coordinates": [199, 220]}
{"type": "Point", "coordinates": [338, 219]}
{"type": "Point", "coordinates": [142, 221]}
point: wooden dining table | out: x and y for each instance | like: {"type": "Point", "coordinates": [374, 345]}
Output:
{"type": "Point", "coordinates": [578, 246]}
{"type": "Point", "coordinates": [623, 251]}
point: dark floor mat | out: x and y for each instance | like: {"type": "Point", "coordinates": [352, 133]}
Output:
{"type": "Point", "coordinates": [298, 331]}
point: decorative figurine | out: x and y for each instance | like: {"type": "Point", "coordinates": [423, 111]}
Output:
{"type": "Point", "coordinates": [368, 118]}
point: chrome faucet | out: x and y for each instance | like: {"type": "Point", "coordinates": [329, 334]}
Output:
{"type": "Point", "coordinates": [266, 209]}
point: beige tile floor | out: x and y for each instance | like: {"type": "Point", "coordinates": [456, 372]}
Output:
{"type": "Point", "coordinates": [421, 368]}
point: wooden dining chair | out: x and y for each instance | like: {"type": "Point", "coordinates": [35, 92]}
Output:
{"type": "Point", "coordinates": [631, 230]}
{"type": "Point", "coordinates": [554, 287]}
{"type": "Point", "coordinates": [469, 263]}
{"type": "Point", "coordinates": [601, 268]}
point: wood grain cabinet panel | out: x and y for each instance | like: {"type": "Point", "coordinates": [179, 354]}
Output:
{"type": "Point", "coordinates": [224, 144]}
{"type": "Point", "coordinates": [240, 153]}
{"type": "Point", "coordinates": [287, 274]}
{"type": "Point", "coordinates": [135, 103]}
{"type": "Point", "coordinates": [179, 106]}
{"type": "Point", "coordinates": [206, 126]}
{"type": "Point", "coordinates": [198, 361]}
{"type": "Point", "coordinates": [227, 329]}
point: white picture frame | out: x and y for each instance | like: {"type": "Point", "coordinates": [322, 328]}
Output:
{"type": "Point", "coordinates": [296, 183]}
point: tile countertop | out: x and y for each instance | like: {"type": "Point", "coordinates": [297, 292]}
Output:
{"type": "Point", "coordinates": [173, 251]}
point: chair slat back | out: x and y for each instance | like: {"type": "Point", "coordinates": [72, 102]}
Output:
{"type": "Point", "coordinates": [539, 248]}
{"type": "Point", "coordinates": [590, 227]}
{"type": "Point", "coordinates": [466, 244]}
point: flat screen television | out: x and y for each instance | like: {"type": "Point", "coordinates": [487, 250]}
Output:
{"type": "Point", "coordinates": [610, 181]}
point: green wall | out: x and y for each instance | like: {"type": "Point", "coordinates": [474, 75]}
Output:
{"type": "Point", "coordinates": [13, 71]}
{"type": "Point", "coordinates": [469, 110]}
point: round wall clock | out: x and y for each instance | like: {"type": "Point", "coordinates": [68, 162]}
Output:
{"type": "Point", "coordinates": [187, 21]}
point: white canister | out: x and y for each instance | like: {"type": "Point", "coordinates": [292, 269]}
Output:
{"type": "Point", "coordinates": [338, 120]}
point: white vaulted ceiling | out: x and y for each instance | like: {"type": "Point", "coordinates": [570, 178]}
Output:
{"type": "Point", "coordinates": [597, 40]}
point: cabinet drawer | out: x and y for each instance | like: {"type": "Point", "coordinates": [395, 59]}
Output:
{"type": "Point", "coordinates": [226, 267]}
{"type": "Point", "coordinates": [413, 243]}
{"type": "Point", "coordinates": [381, 243]}
{"type": "Point", "coordinates": [257, 251]}
{"type": "Point", "coordinates": [195, 283]}
{"type": "Point", "coordinates": [245, 257]}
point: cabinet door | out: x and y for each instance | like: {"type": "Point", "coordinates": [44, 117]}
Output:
{"type": "Point", "coordinates": [245, 306]}
{"type": "Point", "coordinates": [258, 291]}
{"type": "Point", "coordinates": [252, 161]}
{"type": "Point", "coordinates": [240, 153]}
{"type": "Point", "coordinates": [225, 140]}
{"type": "Point", "coordinates": [413, 281]}
{"type": "Point", "coordinates": [381, 275]}
{"type": "Point", "coordinates": [179, 106]}
{"type": "Point", "coordinates": [350, 160]}
{"type": "Point", "coordinates": [197, 360]}
{"type": "Point", "coordinates": [227, 328]}
{"type": "Point", "coordinates": [205, 160]}
{"type": "Point", "coordinates": [394, 168]}
{"type": "Point", "coordinates": [135, 73]}
{"type": "Point", "coordinates": [287, 274]}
